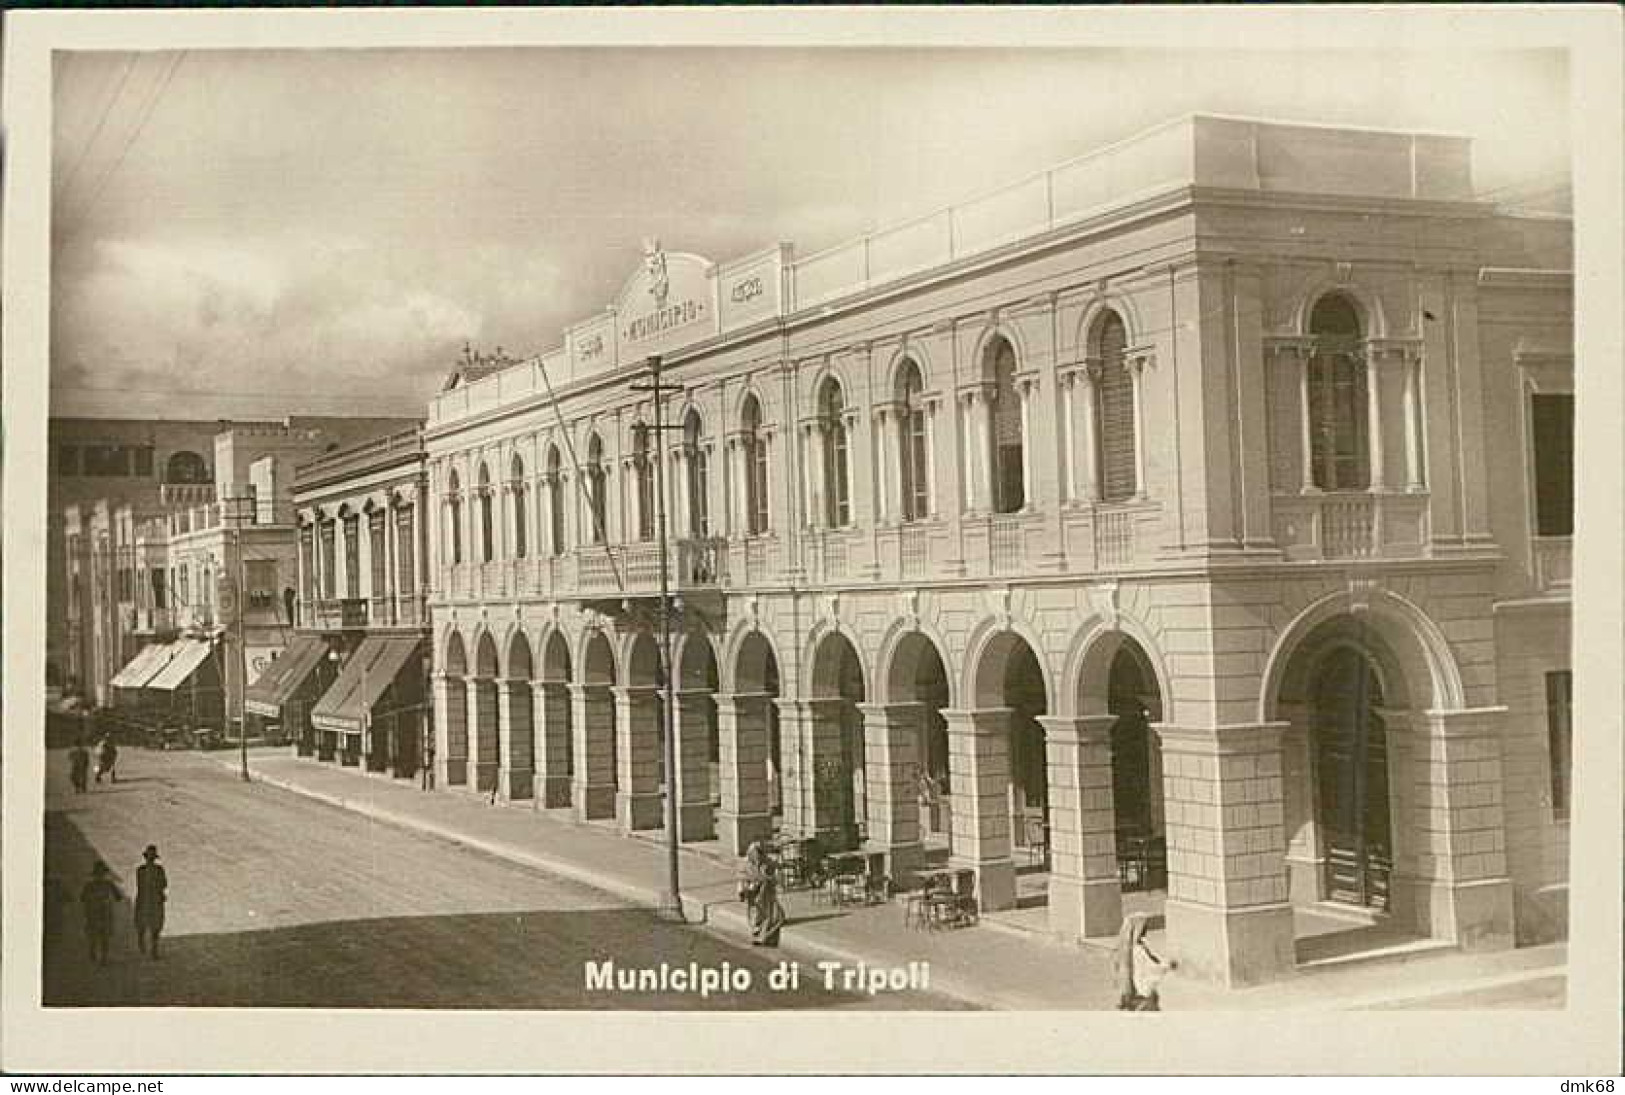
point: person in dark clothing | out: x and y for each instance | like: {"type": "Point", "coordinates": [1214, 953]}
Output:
{"type": "Point", "coordinates": [96, 901]}
{"type": "Point", "coordinates": [759, 890]}
{"type": "Point", "coordinates": [79, 766]}
{"type": "Point", "coordinates": [151, 892]}
{"type": "Point", "coordinates": [107, 759]}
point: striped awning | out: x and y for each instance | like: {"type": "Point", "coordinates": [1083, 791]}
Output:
{"type": "Point", "coordinates": [285, 676]}
{"type": "Point", "coordinates": [141, 668]}
{"type": "Point", "coordinates": [189, 654]}
{"type": "Point", "coordinates": [364, 678]}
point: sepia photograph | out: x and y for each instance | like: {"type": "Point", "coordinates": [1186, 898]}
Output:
{"type": "Point", "coordinates": [647, 519]}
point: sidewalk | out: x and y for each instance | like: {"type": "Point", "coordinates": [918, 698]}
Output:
{"type": "Point", "coordinates": [983, 966]}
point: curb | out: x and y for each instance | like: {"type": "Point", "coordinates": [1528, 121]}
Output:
{"type": "Point", "coordinates": [708, 916]}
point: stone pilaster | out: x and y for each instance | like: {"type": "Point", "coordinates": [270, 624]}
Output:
{"type": "Point", "coordinates": [742, 729]}
{"type": "Point", "coordinates": [979, 769]}
{"type": "Point", "coordinates": [550, 703]}
{"type": "Point", "coordinates": [451, 731]}
{"type": "Point", "coordinates": [694, 714]}
{"type": "Point", "coordinates": [592, 788]}
{"type": "Point", "coordinates": [638, 800]}
{"type": "Point", "coordinates": [1227, 913]}
{"type": "Point", "coordinates": [1451, 876]}
{"type": "Point", "coordinates": [1305, 857]}
{"type": "Point", "coordinates": [891, 778]}
{"type": "Point", "coordinates": [1085, 893]}
{"type": "Point", "coordinates": [817, 784]}
{"type": "Point", "coordinates": [516, 776]}
{"type": "Point", "coordinates": [483, 724]}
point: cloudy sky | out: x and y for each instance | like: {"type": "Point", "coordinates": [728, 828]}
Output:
{"type": "Point", "coordinates": [264, 232]}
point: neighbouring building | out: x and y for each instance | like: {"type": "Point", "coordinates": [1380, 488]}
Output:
{"type": "Point", "coordinates": [1194, 516]}
{"type": "Point", "coordinates": [352, 687]}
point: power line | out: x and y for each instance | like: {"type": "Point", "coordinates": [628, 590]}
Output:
{"type": "Point", "coordinates": [151, 106]}
{"type": "Point", "coordinates": [84, 151]}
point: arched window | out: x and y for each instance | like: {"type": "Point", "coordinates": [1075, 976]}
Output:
{"type": "Point", "coordinates": [186, 467]}
{"type": "Point", "coordinates": [596, 510]}
{"type": "Point", "coordinates": [643, 470]}
{"type": "Point", "coordinates": [1340, 452]}
{"type": "Point", "coordinates": [555, 500]}
{"type": "Point", "coordinates": [911, 430]}
{"type": "Point", "coordinates": [516, 474]}
{"type": "Point", "coordinates": [699, 487]}
{"type": "Point", "coordinates": [832, 420]}
{"type": "Point", "coordinates": [454, 506]}
{"type": "Point", "coordinates": [1008, 459]}
{"type": "Point", "coordinates": [1114, 411]}
{"type": "Point", "coordinates": [487, 546]}
{"type": "Point", "coordinates": [755, 467]}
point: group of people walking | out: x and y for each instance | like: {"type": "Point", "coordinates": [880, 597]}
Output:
{"type": "Point", "coordinates": [79, 763]}
{"type": "Point", "coordinates": [101, 893]}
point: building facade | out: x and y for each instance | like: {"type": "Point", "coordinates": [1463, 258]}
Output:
{"type": "Point", "coordinates": [354, 688]}
{"type": "Point", "coordinates": [1210, 493]}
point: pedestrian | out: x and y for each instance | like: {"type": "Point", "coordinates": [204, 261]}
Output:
{"type": "Point", "coordinates": [151, 892]}
{"type": "Point", "coordinates": [759, 890]}
{"type": "Point", "coordinates": [79, 766]}
{"type": "Point", "coordinates": [96, 901]}
{"type": "Point", "coordinates": [1137, 968]}
{"type": "Point", "coordinates": [107, 759]}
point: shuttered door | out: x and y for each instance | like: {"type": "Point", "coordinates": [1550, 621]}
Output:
{"type": "Point", "coordinates": [1352, 781]}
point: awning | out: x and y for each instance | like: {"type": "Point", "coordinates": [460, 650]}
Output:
{"type": "Point", "coordinates": [143, 667]}
{"type": "Point", "coordinates": [370, 670]}
{"type": "Point", "coordinates": [188, 655]}
{"type": "Point", "coordinates": [284, 676]}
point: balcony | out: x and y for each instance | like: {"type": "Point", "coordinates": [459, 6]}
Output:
{"type": "Point", "coordinates": [1554, 563]}
{"type": "Point", "coordinates": [338, 614]}
{"type": "Point", "coordinates": [695, 564]}
{"type": "Point", "coordinates": [1344, 525]}
{"type": "Point", "coordinates": [185, 494]}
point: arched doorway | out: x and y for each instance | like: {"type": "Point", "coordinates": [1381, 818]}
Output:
{"type": "Point", "coordinates": [1350, 760]}
{"type": "Point", "coordinates": [1137, 804]}
{"type": "Point", "coordinates": [554, 736]}
{"type": "Point", "coordinates": [640, 756]}
{"type": "Point", "coordinates": [750, 751]}
{"type": "Point", "coordinates": [917, 688]}
{"type": "Point", "coordinates": [698, 743]}
{"type": "Point", "coordinates": [1010, 695]}
{"type": "Point", "coordinates": [518, 753]}
{"type": "Point", "coordinates": [835, 773]}
{"type": "Point", "coordinates": [595, 778]}
{"type": "Point", "coordinates": [454, 712]}
{"type": "Point", "coordinates": [484, 716]}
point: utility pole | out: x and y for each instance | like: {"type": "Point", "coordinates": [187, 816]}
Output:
{"type": "Point", "coordinates": [671, 902]}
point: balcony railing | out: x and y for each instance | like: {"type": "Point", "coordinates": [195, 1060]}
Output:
{"type": "Point", "coordinates": [1350, 525]}
{"type": "Point", "coordinates": [700, 563]}
{"type": "Point", "coordinates": [341, 612]}
{"type": "Point", "coordinates": [1554, 563]}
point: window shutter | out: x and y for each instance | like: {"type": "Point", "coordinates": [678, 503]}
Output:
{"type": "Point", "coordinates": [1116, 403]}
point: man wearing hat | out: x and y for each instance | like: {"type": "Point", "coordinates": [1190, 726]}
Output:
{"type": "Point", "coordinates": [151, 888]}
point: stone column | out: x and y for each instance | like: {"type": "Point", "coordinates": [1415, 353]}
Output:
{"type": "Point", "coordinates": [1450, 877]}
{"type": "Point", "coordinates": [638, 799]}
{"type": "Point", "coordinates": [1069, 438]}
{"type": "Point", "coordinates": [891, 778]}
{"type": "Point", "coordinates": [930, 456]}
{"type": "Point", "coordinates": [1136, 373]}
{"type": "Point", "coordinates": [815, 788]}
{"type": "Point", "coordinates": [483, 723]}
{"type": "Point", "coordinates": [883, 465]}
{"type": "Point", "coordinates": [420, 543]}
{"type": "Point", "coordinates": [550, 704]}
{"type": "Point", "coordinates": [1413, 423]}
{"type": "Point", "coordinates": [516, 777]}
{"type": "Point", "coordinates": [1373, 401]}
{"type": "Point", "coordinates": [817, 489]}
{"type": "Point", "coordinates": [694, 818]}
{"type": "Point", "coordinates": [1025, 391]}
{"type": "Point", "coordinates": [592, 720]}
{"type": "Point", "coordinates": [1306, 426]}
{"type": "Point", "coordinates": [979, 771]}
{"type": "Point", "coordinates": [1087, 383]}
{"type": "Point", "coordinates": [742, 731]}
{"type": "Point", "coordinates": [1227, 913]}
{"type": "Point", "coordinates": [972, 500]}
{"type": "Point", "coordinates": [450, 730]}
{"type": "Point", "coordinates": [982, 415]}
{"type": "Point", "coordinates": [1085, 895]}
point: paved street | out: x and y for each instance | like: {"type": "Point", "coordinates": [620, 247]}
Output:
{"type": "Point", "coordinates": [280, 901]}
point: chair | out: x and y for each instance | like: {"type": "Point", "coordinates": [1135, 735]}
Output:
{"type": "Point", "coordinates": [1036, 832]}
{"type": "Point", "coordinates": [1131, 860]}
{"type": "Point", "coordinates": [967, 908]}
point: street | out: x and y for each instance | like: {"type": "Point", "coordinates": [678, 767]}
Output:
{"type": "Point", "coordinates": [279, 901]}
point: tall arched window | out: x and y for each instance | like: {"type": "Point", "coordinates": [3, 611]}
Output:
{"type": "Point", "coordinates": [755, 467]}
{"type": "Point", "coordinates": [832, 420]}
{"type": "Point", "coordinates": [643, 470]}
{"type": "Point", "coordinates": [596, 510]}
{"type": "Point", "coordinates": [1114, 410]}
{"type": "Point", "coordinates": [186, 467]}
{"type": "Point", "coordinates": [1008, 459]}
{"type": "Point", "coordinates": [487, 546]}
{"type": "Point", "coordinates": [911, 430]}
{"type": "Point", "coordinates": [516, 475]}
{"type": "Point", "coordinates": [699, 487]}
{"type": "Point", "coordinates": [454, 506]}
{"type": "Point", "coordinates": [555, 500]}
{"type": "Point", "coordinates": [1340, 452]}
